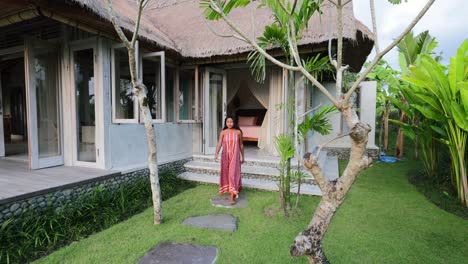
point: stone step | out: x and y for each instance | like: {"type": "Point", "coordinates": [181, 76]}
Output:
{"type": "Point", "coordinates": [271, 162]}
{"type": "Point", "coordinates": [269, 185]}
{"type": "Point", "coordinates": [248, 171]}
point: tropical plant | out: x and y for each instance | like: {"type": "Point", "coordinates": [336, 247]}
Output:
{"type": "Point", "coordinates": [293, 17]}
{"type": "Point", "coordinates": [388, 87]}
{"type": "Point", "coordinates": [411, 49]}
{"type": "Point", "coordinates": [443, 98]}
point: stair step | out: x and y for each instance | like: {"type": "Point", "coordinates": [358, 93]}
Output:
{"type": "Point", "coordinates": [248, 171]}
{"type": "Point", "coordinates": [272, 161]}
{"type": "Point", "coordinates": [308, 189]}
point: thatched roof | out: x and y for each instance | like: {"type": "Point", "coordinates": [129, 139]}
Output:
{"type": "Point", "coordinates": [179, 25]}
{"type": "Point", "coordinates": [184, 23]}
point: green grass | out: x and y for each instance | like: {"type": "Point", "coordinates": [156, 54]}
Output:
{"type": "Point", "coordinates": [383, 220]}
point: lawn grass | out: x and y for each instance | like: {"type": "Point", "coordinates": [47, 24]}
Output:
{"type": "Point", "coordinates": [383, 220]}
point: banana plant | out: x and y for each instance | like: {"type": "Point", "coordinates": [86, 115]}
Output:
{"type": "Point", "coordinates": [443, 97]}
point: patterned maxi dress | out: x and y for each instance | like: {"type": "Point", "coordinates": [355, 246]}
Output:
{"type": "Point", "coordinates": [230, 180]}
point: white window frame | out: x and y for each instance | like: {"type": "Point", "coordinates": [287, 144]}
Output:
{"type": "Point", "coordinates": [174, 92]}
{"type": "Point", "coordinates": [160, 54]}
{"type": "Point", "coordinates": [196, 115]}
{"type": "Point", "coordinates": [136, 111]}
{"type": "Point", "coordinates": [77, 46]}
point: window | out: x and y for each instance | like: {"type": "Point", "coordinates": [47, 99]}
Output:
{"type": "Point", "coordinates": [186, 100]}
{"type": "Point", "coordinates": [170, 84]}
{"type": "Point", "coordinates": [124, 107]}
{"type": "Point", "coordinates": [153, 71]}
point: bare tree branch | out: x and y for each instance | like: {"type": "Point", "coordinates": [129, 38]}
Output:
{"type": "Point", "coordinates": [332, 2]}
{"type": "Point", "coordinates": [116, 24]}
{"type": "Point", "coordinates": [283, 7]}
{"type": "Point", "coordinates": [311, 110]}
{"type": "Point", "coordinates": [378, 56]}
{"type": "Point", "coordinates": [293, 7]}
{"type": "Point", "coordinates": [293, 44]}
{"type": "Point", "coordinates": [328, 142]}
{"type": "Point", "coordinates": [221, 35]}
{"type": "Point", "coordinates": [137, 24]}
{"type": "Point", "coordinates": [347, 2]}
{"type": "Point", "coordinates": [374, 26]}
{"type": "Point", "coordinates": [311, 164]}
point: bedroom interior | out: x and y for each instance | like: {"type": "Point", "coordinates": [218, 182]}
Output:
{"type": "Point", "coordinates": [244, 100]}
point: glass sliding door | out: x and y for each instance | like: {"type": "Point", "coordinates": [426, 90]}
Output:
{"type": "Point", "coordinates": [43, 100]}
{"type": "Point", "coordinates": [85, 114]}
{"type": "Point", "coordinates": [215, 107]}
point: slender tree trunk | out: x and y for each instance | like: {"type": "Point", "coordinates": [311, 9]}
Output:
{"type": "Point", "coordinates": [382, 121]}
{"type": "Point", "coordinates": [400, 138]}
{"type": "Point", "coordinates": [140, 93]}
{"type": "Point", "coordinates": [387, 115]}
{"type": "Point", "coordinates": [416, 141]}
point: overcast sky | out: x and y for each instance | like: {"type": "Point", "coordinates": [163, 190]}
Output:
{"type": "Point", "coordinates": [447, 20]}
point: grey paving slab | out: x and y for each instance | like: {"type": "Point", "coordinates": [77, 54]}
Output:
{"type": "Point", "coordinates": [214, 221]}
{"type": "Point", "coordinates": [177, 253]}
{"type": "Point", "coordinates": [223, 201]}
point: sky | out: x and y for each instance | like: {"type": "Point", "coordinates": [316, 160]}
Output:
{"type": "Point", "coordinates": [447, 20]}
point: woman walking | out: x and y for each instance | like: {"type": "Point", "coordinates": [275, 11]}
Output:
{"type": "Point", "coordinates": [231, 158]}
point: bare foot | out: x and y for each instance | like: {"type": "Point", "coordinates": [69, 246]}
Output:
{"type": "Point", "coordinates": [231, 199]}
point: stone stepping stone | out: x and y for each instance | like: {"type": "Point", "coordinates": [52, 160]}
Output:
{"type": "Point", "coordinates": [223, 201]}
{"type": "Point", "coordinates": [177, 253]}
{"type": "Point", "coordinates": [214, 221]}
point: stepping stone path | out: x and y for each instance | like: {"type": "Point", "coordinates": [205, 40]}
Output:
{"type": "Point", "coordinates": [176, 253]}
{"type": "Point", "coordinates": [214, 221]}
{"type": "Point", "coordinates": [223, 201]}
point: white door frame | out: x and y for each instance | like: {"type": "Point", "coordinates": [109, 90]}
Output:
{"type": "Point", "coordinates": [206, 113]}
{"type": "Point", "coordinates": [35, 162]}
{"type": "Point", "coordinates": [77, 46]}
{"type": "Point", "coordinates": [2, 137]}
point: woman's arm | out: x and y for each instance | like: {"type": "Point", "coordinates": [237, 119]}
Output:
{"type": "Point", "coordinates": [241, 146]}
{"type": "Point", "coordinates": [218, 146]}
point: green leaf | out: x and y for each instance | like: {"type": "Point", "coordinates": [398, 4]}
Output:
{"type": "Point", "coordinates": [463, 87]}
{"type": "Point", "coordinates": [429, 100]}
{"type": "Point", "coordinates": [224, 5]}
{"type": "Point", "coordinates": [439, 130]}
{"type": "Point", "coordinates": [457, 66]}
{"type": "Point", "coordinates": [428, 113]}
{"type": "Point", "coordinates": [459, 116]}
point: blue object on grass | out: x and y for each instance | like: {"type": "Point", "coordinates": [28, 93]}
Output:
{"type": "Point", "coordinates": [388, 159]}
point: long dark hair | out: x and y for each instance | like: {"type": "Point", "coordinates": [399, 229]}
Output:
{"type": "Point", "coordinates": [234, 119]}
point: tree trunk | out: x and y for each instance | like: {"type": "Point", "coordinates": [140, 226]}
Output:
{"type": "Point", "coordinates": [140, 93]}
{"type": "Point", "coordinates": [400, 138]}
{"type": "Point", "coordinates": [387, 115]}
{"type": "Point", "coordinates": [416, 141]}
{"type": "Point", "coordinates": [309, 242]}
{"type": "Point", "coordinates": [382, 121]}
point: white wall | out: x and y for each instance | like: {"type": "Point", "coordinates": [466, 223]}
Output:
{"type": "Point", "coordinates": [368, 104]}
{"type": "Point", "coordinates": [129, 148]}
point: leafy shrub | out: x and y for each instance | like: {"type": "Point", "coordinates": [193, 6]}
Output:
{"type": "Point", "coordinates": [35, 235]}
